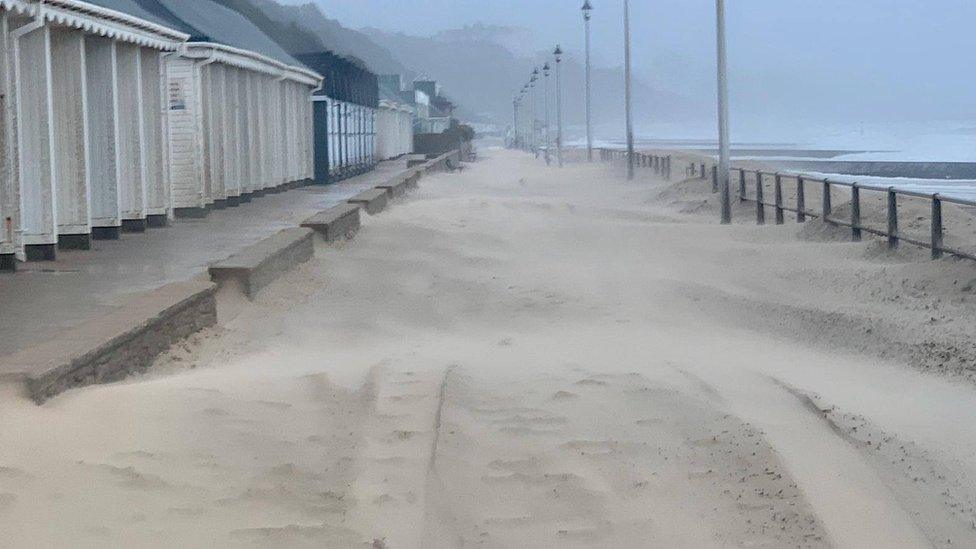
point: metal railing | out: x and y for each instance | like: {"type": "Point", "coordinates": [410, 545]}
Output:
{"type": "Point", "coordinates": [756, 181]}
{"type": "Point", "coordinates": [660, 164]}
{"type": "Point", "coordinates": [936, 233]}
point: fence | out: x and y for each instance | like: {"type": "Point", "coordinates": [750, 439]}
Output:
{"type": "Point", "coordinates": [751, 188]}
{"type": "Point", "coordinates": [660, 164]}
{"type": "Point", "coordinates": [936, 233]}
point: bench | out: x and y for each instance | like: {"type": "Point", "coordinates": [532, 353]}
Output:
{"type": "Point", "coordinates": [336, 223]}
{"type": "Point", "coordinates": [258, 265]}
{"type": "Point", "coordinates": [373, 201]}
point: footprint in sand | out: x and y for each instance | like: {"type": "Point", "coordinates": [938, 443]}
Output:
{"type": "Point", "coordinates": [523, 431]}
{"type": "Point", "coordinates": [591, 382]}
{"type": "Point", "coordinates": [408, 398]}
{"type": "Point", "coordinates": [544, 479]}
{"type": "Point", "coordinates": [136, 455]}
{"type": "Point", "coordinates": [526, 421]}
{"type": "Point", "coordinates": [508, 521]}
{"type": "Point", "coordinates": [588, 535]}
{"type": "Point", "coordinates": [403, 436]}
{"type": "Point", "coordinates": [215, 412]}
{"type": "Point", "coordinates": [406, 382]}
{"type": "Point", "coordinates": [524, 466]}
{"type": "Point", "coordinates": [591, 447]}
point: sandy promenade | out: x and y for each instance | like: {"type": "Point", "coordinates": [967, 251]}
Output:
{"type": "Point", "coordinates": [517, 356]}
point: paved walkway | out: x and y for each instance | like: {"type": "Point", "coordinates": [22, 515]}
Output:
{"type": "Point", "coordinates": [44, 297]}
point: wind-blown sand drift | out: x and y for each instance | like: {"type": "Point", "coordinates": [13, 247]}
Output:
{"type": "Point", "coordinates": [519, 356]}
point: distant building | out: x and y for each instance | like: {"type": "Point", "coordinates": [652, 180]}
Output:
{"type": "Point", "coordinates": [394, 119]}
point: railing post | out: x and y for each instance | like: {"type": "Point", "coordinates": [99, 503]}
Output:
{"type": "Point", "coordinates": [827, 208]}
{"type": "Point", "coordinates": [936, 226]}
{"type": "Point", "coordinates": [714, 179]}
{"type": "Point", "coordinates": [668, 168]}
{"type": "Point", "coordinates": [801, 200]}
{"type": "Point", "coordinates": [855, 213]}
{"type": "Point", "coordinates": [760, 207]}
{"type": "Point", "coordinates": [892, 218]}
{"type": "Point", "coordinates": [778, 197]}
{"type": "Point", "coordinates": [742, 185]}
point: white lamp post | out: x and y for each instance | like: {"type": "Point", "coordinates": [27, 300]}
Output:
{"type": "Point", "coordinates": [723, 115]}
{"type": "Point", "coordinates": [627, 93]}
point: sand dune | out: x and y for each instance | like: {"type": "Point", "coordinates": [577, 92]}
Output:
{"type": "Point", "coordinates": [518, 356]}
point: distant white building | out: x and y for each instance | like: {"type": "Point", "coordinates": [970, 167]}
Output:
{"type": "Point", "coordinates": [394, 120]}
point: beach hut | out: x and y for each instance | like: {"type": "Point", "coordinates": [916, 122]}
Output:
{"type": "Point", "coordinates": [238, 107]}
{"type": "Point", "coordinates": [344, 117]}
{"type": "Point", "coordinates": [81, 124]}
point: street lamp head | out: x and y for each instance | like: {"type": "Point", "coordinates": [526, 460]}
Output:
{"type": "Point", "coordinates": [558, 53]}
{"type": "Point", "coordinates": [587, 9]}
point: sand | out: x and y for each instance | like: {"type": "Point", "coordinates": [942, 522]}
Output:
{"type": "Point", "coordinates": [517, 356]}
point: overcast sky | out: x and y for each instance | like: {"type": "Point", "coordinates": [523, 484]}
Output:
{"type": "Point", "coordinates": [844, 59]}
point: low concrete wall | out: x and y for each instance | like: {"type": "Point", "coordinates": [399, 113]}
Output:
{"type": "Point", "coordinates": [109, 348]}
{"type": "Point", "coordinates": [130, 339]}
{"type": "Point", "coordinates": [373, 201]}
{"type": "Point", "coordinates": [258, 265]}
{"type": "Point", "coordinates": [336, 223]}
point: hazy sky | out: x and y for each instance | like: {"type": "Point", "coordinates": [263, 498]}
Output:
{"type": "Point", "coordinates": [844, 59]}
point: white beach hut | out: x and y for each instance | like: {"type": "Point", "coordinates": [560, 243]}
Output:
{"type": "Point", "coordinates": [82, 124]}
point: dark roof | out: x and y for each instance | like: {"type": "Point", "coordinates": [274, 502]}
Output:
{"type": "Point", "coordinates": [204, 21]}
{"type": "Point", "coordinates": [343, 79]}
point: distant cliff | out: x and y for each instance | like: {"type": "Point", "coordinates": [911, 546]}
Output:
{"type": "Point", "coordinates": [479, 66]}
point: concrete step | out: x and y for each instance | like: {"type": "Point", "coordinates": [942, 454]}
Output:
{"type": "Point", "coordinates": [373, 201]}
{"type": "Point", "coordinates": [258, 265]}
{"type": "Point", "coordinates": [336, 223]}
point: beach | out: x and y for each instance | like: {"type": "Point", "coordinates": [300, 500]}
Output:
{"type": "Point", "coordinates": [518, 355]}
